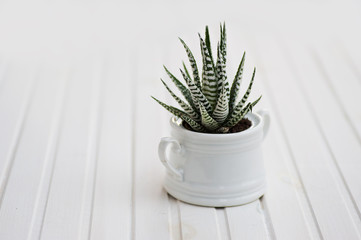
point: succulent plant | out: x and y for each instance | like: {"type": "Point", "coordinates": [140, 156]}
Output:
{"type": "Point", "coordinates": [210, 104]}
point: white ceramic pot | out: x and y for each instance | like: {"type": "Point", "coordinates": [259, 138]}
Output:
{"type": "Point", "coordinates": [215, 169]}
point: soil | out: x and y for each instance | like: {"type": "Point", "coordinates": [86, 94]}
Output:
{"type": "Point", "coordinates": [242, 125]}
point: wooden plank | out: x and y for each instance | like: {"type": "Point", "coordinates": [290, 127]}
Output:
{"type": "Point", "coordinates": [284, 184]}
{"type": "Point", "coordinates": [175, 226]}
{"type": "Point", "coordinates": [150, 201]}
{"type": "Point", "coordinates": [315, 165]}
{"type": "Point", "coordinates": [199, 222]}
{"type": "Point", "coordinates": [340, 136]}
{"type": "Point", "coordinates": [333, 67]}
{"type": "Point", "coordinates": [285, 200]}
{"type": "Point", "coordinates": [47, 167]}
{"type": "Point", "coordinates": [222, 221]}
{"type": "Point", "coordinates": [21, 190]}
{"type": "Point", "coordinates": [66, 216]}
{"type": "Point", "coordinates": [246, 221]}
{"type": "Point", "coordinates": [15, 99]}
{"type": "Point", "coordinates": [112, 200]}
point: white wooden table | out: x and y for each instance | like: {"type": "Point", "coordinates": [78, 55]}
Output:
{"type": "Point", "coordinates": [79, 131]}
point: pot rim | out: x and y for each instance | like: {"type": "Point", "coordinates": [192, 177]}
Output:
{"type": "Point", "coordinates": [257, 124]}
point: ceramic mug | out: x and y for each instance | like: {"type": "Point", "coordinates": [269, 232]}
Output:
{"type": "Point", "coordinates": [215, 170]}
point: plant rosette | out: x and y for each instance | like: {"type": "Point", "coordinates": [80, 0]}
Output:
{"type": "Point", "coordinates": [214, 155]}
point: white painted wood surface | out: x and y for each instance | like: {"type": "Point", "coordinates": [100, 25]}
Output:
{"type": "Point", "coordinates": [79, 131]}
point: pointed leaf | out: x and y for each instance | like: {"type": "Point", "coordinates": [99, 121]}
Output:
{"type": "Point", "coordinates": [186, 70]}
{"type": "Point", "coordinates": [221, 111]}
{"type": "Point", "coordinates": [196, 94]}
{"type": "Point", "coordinates": [246, 95]}
{"type": "Point", "coordinates": [209, 81]}
{"type": "Point", "coordinates": [255, 102]}
{"type": "Point", "coordinates": [237, 115]}
{"type": "Point", "coordinates": [227, 90]}
{"type": "Point", "coordinates": [207, 121]}
{"type": "Point", "coordinates": [207, 40]}
{"type": "Point", "coordinates": [220, 71]}
{"type": "Point", "coordinates": [236, 84]}
{"type": "Point", "coordinates": [193, 64]}
{"type": "Point", "coordinates": [185, 106]}
{"type": "Point", "coordinates": [178, 113]}
{"type": "Point", "coordinates": [223, 45]}
{"type": "Point", "coordinates": [185, 91]}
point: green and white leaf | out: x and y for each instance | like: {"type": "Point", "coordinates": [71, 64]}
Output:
{"type": "Point", "coordinates": [226, 85]}
{"type": "Point", "coordinates": [209, 81]}
{"type": "Point", "coordinates": [220, 71]}
{"type": "Point", "coordinates": [248, 92]}
{"type": "Point", "coordinates": [186, 70]}
{"type": "Point", "coordinates": [207, 121]}
{"type": "Point", "coordinates": [237, 115]}
{"type": "Point", "coordinates": [221, 111]}
{"type": "Point", "coordinates": [210, 104]}
{"type": "Point", "coordinates": [236, 84]}
{"type": "Point", "coordinates": [255, 102]}
{"type": "Point", "coordinates": [197, 94]}
{"type": "Point", "coordinates": [179, 113]}
{"type": "Point", "coordinates": [193, 63]}
{"type": "Point", "coordinates": [207, 40]}
{"type": "Point", "coordinates": [194, 115]}
{"type": "Point", "coordinates": [223, 45]}
{"type": "Point", "coordinates": [185, 91]}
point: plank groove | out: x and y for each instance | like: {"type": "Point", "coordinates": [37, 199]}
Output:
{"type": "Point", "coordinates": [335, 130]}
{"type": "Point", "coordinates": [92, 150]}
{"type": "Point", "coordinates": [112, 200]}
{"type": "Point", "coordinates": [21, 194]}
{"type": "Point", "coordinates": [7, 162]}
{"type": "Point", "coordinates": [316, 179]}
{"type": "Point", "coordinates": [42, 192]}
{"type": "Point", "coordinates": [246, 221]}
{"type": "Point", "coordinates": [67, 188]}
{"type": "Point", "coordinates": [150, 206]}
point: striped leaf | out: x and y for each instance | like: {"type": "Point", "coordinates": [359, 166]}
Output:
{"type": "Point", "coordinates": [221, 111]}
{"type": "Point", "coordinates": [220, 71]}
{"type": "Point", "coordinates": [246, 95]}
{"type": "Point", "coordinates": [178, 113]}
{"type": "Point", "coordinates": [185, 106]}
{"type": "Point", "coordinates": [207, 40]}
{"type": "Point", "coordinates": [237, 115]}
{"type": "Point", "coordinates": [193, 64]}
{"type": "Point", "coordinates": [185, 91]}
{"type": "Point", "coordinates": [209, 81]}
{"type": "Point", "coordinates": [186, 70]}
{"type": "Point", "coordinates": [223, 45]}
{"type": "Point", "coordinates": [255, 102]}
{"type": "Point", "coordinates": [236, 84]}
{"type": "Point", "coordinates": [207, 121]}
{"type": "Point", "coordinates": [241, 103]}
{"type": "Point", "coordinates": [227, 90]}
{"type": "Point", "coordinates": [196, 94]}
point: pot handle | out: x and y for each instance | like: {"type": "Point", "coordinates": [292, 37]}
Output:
{"type": "Point", "coordinates": [267, 120]}
{"type": "Point", "coordinates": [162, 148]}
